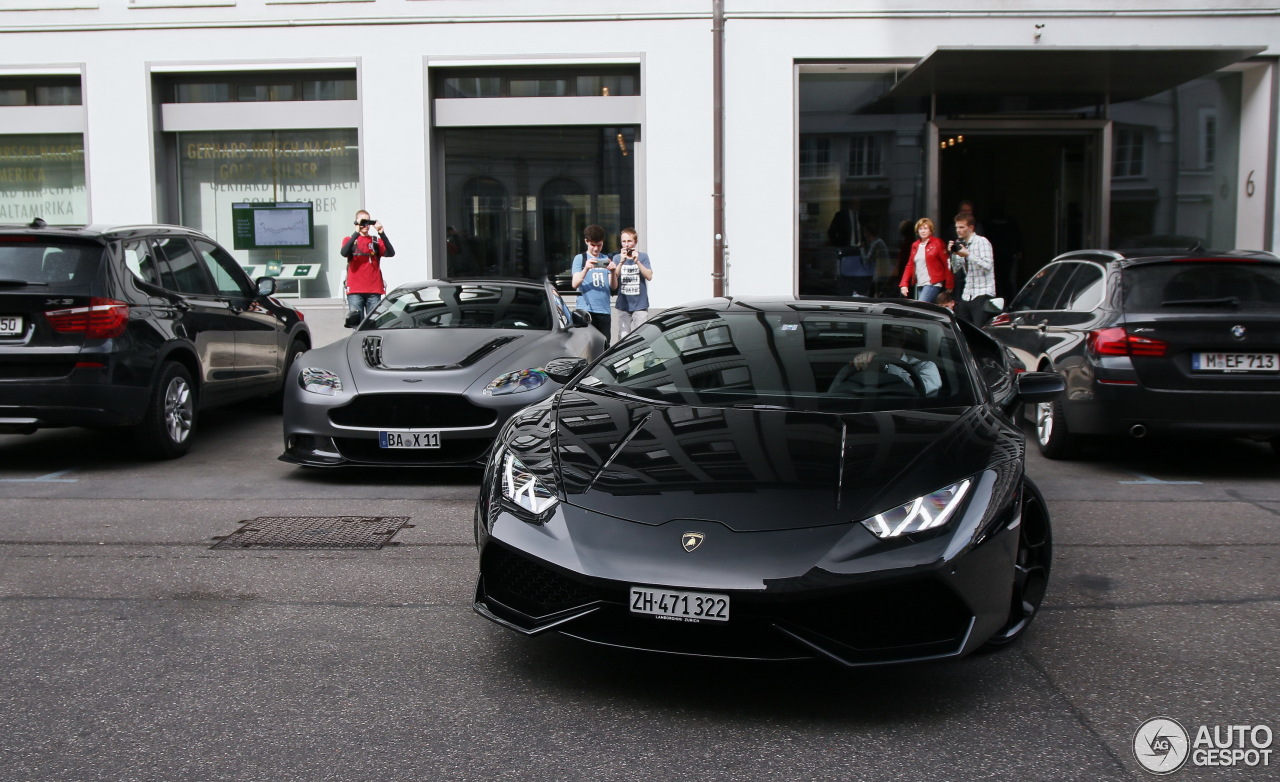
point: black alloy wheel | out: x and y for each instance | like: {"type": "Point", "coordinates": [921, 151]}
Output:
{"type": "Point", "coordinates": [1052, 435]}
{"type": "Point", "coordinates": [166, 430]}
{"type": "Point", "coordinates": [1031, 567]}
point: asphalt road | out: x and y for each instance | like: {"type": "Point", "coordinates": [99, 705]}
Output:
{"type": "Point", "coordinates": [131, 650]}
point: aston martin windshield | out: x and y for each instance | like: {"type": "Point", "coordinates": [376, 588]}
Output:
{"type": "Point", "coordinates": [817, 360]}
{"type": "Point", "coordinates": [463, 306]}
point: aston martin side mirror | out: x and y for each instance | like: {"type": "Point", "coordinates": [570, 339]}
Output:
{"type": "Point", "coordinates": [562, 370]}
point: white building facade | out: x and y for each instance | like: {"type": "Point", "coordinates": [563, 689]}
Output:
{"type": "Point", "coordinates": [486, 134]}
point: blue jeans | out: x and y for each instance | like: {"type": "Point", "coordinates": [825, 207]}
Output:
{"type": "Point", "coordinates": [928, 292]}
{"type": "Point", "coordinates": [363, 303]}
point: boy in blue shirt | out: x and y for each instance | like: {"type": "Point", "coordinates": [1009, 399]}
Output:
{"type": "Point", "coordinates": [593, 277]}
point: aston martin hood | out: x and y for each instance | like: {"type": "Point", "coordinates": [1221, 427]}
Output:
{"type": "Point", "coordinates": [439, 349]}
{"type": "Point", "coordinates": [752, 469]}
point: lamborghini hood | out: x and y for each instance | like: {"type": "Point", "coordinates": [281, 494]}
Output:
{"type": "Point", "coordinates": [753, 469]}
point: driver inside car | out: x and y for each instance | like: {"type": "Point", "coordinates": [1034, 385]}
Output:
{"type": "Point", "coordinates": [890, 360]}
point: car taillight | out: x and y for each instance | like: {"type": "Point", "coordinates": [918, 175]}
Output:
{"type": "Point", "coordinates": [1002, 319]}
{"type": "Point", "coordinates": [1116, 341]}
{"type": "Point", "coordinates": [102, 319]}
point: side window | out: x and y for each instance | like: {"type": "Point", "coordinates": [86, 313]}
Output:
{"type": "Point", "coordinates": [1029, 297]}
{"type": "Point", "coordinates": [185, 272]}
{"type": "Point", "coordinates": [141, 261]}
{"type": "Point", "coordinates": [228, 277]}
{"type": "Point", "coordinates": [1051, 297]}
{"type": "Point", "coordinates": [1084, 291]}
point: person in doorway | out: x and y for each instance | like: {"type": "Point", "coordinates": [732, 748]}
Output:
{"type": "Point", "coordinates": [364, 251]}
{"type": "Point", "coordinates": [878, 258]}
{"type": "Point", "coordinates": [845, 230]}
{"type": "Point", "coordinates": [946, 300]}
{"type": "Point", "coordinates": [593, 279]}
{"type": "Point", "coordinates": [928, 266]}
{"type": "Point", "coordinates": [631, 274]}
{"type": "Point", "coordinates": [976, 258]}
{"type": "Point", "coordinates": [1006, 244]}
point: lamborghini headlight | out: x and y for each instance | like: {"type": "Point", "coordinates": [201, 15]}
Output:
{"type": "Point", "coordinates": [516, 382]}
{"type": "Point", "coordinates": [523, 489]}
{"type": "Point", "coordinates": [923, 513]}
{"type": "Point", "coordinates": [319, 381]}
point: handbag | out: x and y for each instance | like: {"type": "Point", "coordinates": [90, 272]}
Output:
{"type": "Point", "coordinates": [856, 265]}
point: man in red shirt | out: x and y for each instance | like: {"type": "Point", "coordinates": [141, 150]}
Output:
{"type": "Point", "coordinates": [364, 254]}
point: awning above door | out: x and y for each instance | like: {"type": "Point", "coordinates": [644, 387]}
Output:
{"type": "Point", "coordinates": [1104, 74]}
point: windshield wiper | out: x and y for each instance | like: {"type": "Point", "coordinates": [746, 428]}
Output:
{"type": "Point", "coordinates": [753, 406]}
{"type": "Point", "coordinates": [22, 283]}
{"type": "Point", "coordinates": [1230, 301]}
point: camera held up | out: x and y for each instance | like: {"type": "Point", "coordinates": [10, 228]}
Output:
{"type": "Point", "coordinates": [363, 222]}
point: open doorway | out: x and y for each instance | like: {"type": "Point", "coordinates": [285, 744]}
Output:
{"type": "Point", "coordinates": [1034, 195]}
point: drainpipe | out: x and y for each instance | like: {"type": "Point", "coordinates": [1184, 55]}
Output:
{"type": "Point", "coordinates": [717, 146]}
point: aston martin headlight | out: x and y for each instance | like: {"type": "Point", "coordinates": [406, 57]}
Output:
{"type": "Point", "coordinates": [521, 487]}
{"type": "Point", "coordinates": [516, 382]}
{"type": "Point", "coordinates": [923, 513]}
{"type": "Point", "coordinates": [319, 381]}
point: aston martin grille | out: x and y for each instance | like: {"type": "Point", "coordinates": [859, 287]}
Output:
{"type": "Point", "coordinates": [406, 411]}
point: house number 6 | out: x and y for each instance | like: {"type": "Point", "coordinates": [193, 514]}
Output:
{"type": "Point", "coordinates": [1248, 185]}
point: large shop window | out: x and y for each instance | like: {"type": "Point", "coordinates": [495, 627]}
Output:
{"type": "Point", "coordinates": [1175, 158]}
{"type": "Point", "coordinates": [532, 156]}
{"type": "Point", "coordinates": [871, 164]}
{"type": "Point", "coordinates": [518, 199]}
{"type": "Point", "coordinates": [217, 170]}
{"type": "Point", "coordinates": [213, 172]}
{"type": "Point", "coordinates": [42, 150]}
{"type": "Point", "coordinates": [1030, 165]}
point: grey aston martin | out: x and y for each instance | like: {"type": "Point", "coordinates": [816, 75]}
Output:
{"type": "Point", "coordinates": [431, 375]}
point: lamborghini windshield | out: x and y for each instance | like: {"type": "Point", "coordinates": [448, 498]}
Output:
{"type": "Point", "coordinates": [463, 306]}
{"type": "Point", "coordinates": [828, 360]}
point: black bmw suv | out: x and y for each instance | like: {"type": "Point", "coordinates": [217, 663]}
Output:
{"type": "Point", "coordinates": [1158, 342]}
{"type": "Point", "coordinates": [135, 326]}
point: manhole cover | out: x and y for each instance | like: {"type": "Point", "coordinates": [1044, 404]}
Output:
{"type": "Point", "coordinates": [314, 532]}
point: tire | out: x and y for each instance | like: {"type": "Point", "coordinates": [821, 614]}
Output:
{"type": "Point", "coordinates": [1031, 567]}
{"type": "Point", "coordinates": [276, 399]}
{"type": "Point", "coordinates": [167, 429]}
{"type": "Point", "coordinates": [1052, 435]}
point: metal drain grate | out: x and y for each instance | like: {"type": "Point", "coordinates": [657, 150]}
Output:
{"type": "Point", "coordinates": [314, 532]}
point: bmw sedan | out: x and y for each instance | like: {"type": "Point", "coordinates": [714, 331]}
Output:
{"type": "Point", "coordinates": [773, 479]}
{"type": "Point", "coordinates": [1151, 343]}
{"type": "Point", "coordinates": [431, 375]}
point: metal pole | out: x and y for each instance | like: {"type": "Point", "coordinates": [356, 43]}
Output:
{"type": "Point", "coordinates": [717, 148]}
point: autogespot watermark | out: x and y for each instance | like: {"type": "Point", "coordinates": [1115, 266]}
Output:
{"type": "Point", "coordinates": [1162, 745]}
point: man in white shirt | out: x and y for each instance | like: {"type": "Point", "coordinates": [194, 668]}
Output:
{"type": "Point", "coordinates": [975, 255]}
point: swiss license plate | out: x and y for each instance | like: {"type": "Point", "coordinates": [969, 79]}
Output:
{"type": "Point", "coordinates": [1235, 362]}
{"type": "Point", "coordinates": [10, 325]}
{"type": "Point", "coordinates": [426, 439]}
{"type": "Point", "coordinates": [680, 606]}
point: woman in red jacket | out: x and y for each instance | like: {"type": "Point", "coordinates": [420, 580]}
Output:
{"type": "Point", "coordinates": [928, 266]}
